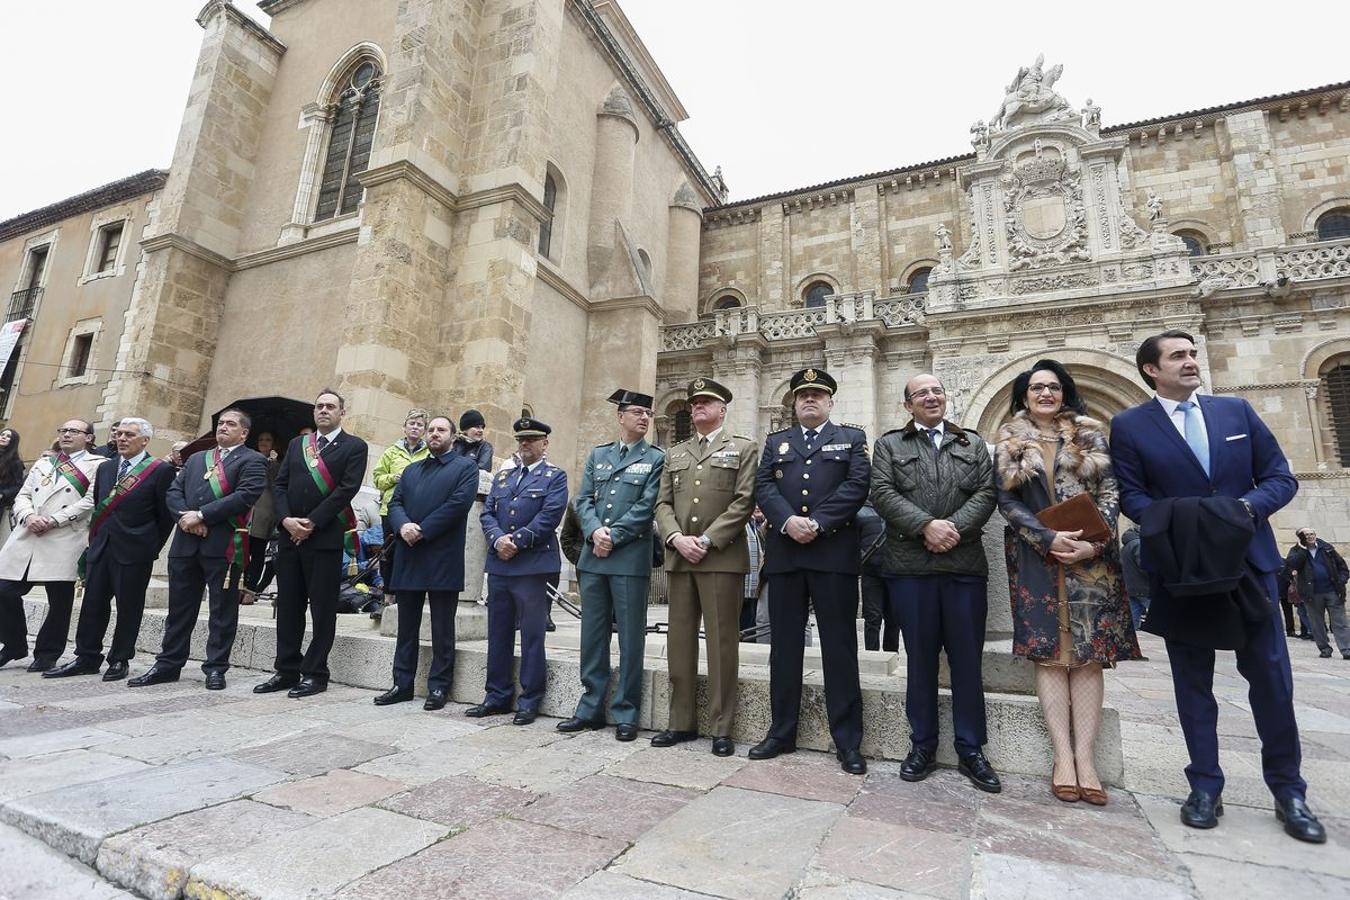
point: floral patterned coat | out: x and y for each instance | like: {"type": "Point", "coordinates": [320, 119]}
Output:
{"type": "Point", "coordinates": [1099, 612]}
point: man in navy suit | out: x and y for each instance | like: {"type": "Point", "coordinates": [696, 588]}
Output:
{"type": "Point", "coordinates": [210, 499]}
{"type": "Point", "coordinates": [1182, 444]}
{"type": "Point", "coordinates": [131, 521]}
{"type": "Point", "coordinates": [313, 492]}
{"type": "Point", "coordinates": [519, 519]}
{"type": "Point", "coordinates": [428, 512]}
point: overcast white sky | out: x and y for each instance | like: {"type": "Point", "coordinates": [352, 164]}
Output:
{"type": "Point", "coordinates": [781, 93]}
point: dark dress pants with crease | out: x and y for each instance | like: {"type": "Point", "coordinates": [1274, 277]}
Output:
{"type": "Point", "coordinates": [306, 579]}
{"type": "Point", "coordinates": [443, 605]}
{"type": "Point", "coordinates": [189, 578]}
{"type": "Point", "coordinates": [512, 599]}
{"type": "Point", "coordinates": [103, 581]}
{"type": "Point", "coordinates": [51, 636]}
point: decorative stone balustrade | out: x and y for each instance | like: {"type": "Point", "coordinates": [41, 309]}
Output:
{"type": "Point", "coordinates": [796, 324]}
{"type": "Point", "coordinates": [1310, 262]}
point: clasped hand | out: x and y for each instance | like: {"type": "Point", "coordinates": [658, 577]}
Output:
{"type": "Point", "coordinates": [411, 533]}
{"type": "Point", "coordinates": [193, 523]}
{"type": "Point", "coordinates": [940, 535]}
{"type": "Point", "coordinates": [800, 529]}
{"type": "Point", "coordinates": [1067, 549]}
{"type": "Point", "coordinates": [602, 542]}
{"type": "Point", "coordinates": [505, 547]}
{"type": "Point", "coordinates": [298, 528]}
{"type": "Point", "coordinates": [691, 548]}
{"type": "Point", "coordinates": [39, 524]}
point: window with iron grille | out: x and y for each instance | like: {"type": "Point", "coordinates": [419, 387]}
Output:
{"type": "Point", "coordinates": [1336, 391]}
{"type": "Point", "coordinates": [349, 143]}
{"type": "Point", "coordinates": [918, 282]}
{"type": "Point", "coordinates": [816, 293]}
{"type": "Point", "coordinates": [109, 240]}
{"type": "Point", "coordinates": [1334, 225]}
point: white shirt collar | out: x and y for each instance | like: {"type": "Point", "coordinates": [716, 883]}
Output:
{"type": "Point", "coordinates": [1170, 406]}
{"type": "Point", "coordinates": [332, 435]}
{"type": "Point", "coordinates": [818, 429]}
{"type": "Point", "coordinates": [940, 428]}
{"type": "Point", "coordinates": [712, 436]}
{"type": "Point", "coordinates": [76, 456]}
{"type": "Point", "coordinates": [135, 460]}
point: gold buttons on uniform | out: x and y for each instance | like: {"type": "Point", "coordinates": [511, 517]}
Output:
{"type": "Point", "coordinates": [805, 492]}
{"type": "Point", "coordinates": [699, 467]}
{"type": "Point", "coordinates": [808, 462]}
{"type": "Point", "coordinates": [806, 476]}
{"type": "Point", "coordinates": [695, 499]}
{"type": "Point", "coordinates": [805, 509]}
{"type": "Point", "coordinates": [697, 482]}
{"type": "Point", "coordinates": [693, 518]}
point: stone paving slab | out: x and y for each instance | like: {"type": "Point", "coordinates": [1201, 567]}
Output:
{"type": "Point", "coordinates": [154, 860]}
{"type": "Point", "coordinates": [76, 819]}
{"type": "Point", "coordinates": [608, 885]}
{"type": "Point", "coordinates": [431, 763]}
{"type": "Point", "coordinates": [36, 775]}
{"type": "Point", "coordinates": [541, 770]}
{"type": "Point", "coordinates": [314, 861]}
{"type": "Point", "coordinates": [608, 807]}
{"type": "Point", "coordinates": [408, 732]}
{"type": "Point", "coordinates": [36, 744]}
{"type": "Point", "coordinates": [313, 754]}
{"type": "Point", "coordinates": [809, 776]}
{"type": "Point", "coordinates": [998, 877]}
{"type": "Point", "coordinates": [1226, 879]}
{"type": "Point", "coordinates": [330, 793]}
{"type": "Point", "coordinates": [926, 862]}
{"type": "Point", "coordinates": [677, 766]}
{"type": "Point", "coordinates": [31, 870]}
{"type": "Point", "coordinates": [458, 802]}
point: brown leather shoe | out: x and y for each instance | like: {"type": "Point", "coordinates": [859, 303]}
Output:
{"type": "Point", "coordinates": [1066, 793]}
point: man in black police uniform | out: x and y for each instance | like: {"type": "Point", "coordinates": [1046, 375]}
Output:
{"type": "Point", "coordinates": [313, 493]}
{"type": "Point", "coordinates": [812, 480]}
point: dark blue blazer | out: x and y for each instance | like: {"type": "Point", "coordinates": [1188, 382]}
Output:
{"type": "Point", "coordinates": [530, 513]}
{"type": "Point", "coordinates": [435, 493]}
{"type": "Point", "coordinates": [829, 483]}
{"type": "Point", "coordinates": [1152, 461]}
{"type": "Point", "coordinates": [295, 493]}
{"type": "Point", "coordinates": [246, 471]}
{"type": "Point", "coordinates": [136, 529]}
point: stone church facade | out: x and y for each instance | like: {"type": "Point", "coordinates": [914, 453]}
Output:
{"type": "Point", "coordinates": [489, 203]}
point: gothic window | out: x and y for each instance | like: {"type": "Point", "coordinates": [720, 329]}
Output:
{"type": "Point", "coordinates": [1334, 225]}
{"type": "Point", "coordinates": [727, 301]}
{"type": "Point", "coordinates": [1194, 241]}
{"type": "Point", "coordinates": [815, 294]}
{"type": "Point", "coordinates": [354, 112]}
{"type": "Point", "coordinates": [551, 204]}
{"type": "Point", "coordinates": [918, 282]}
{"type": "Point", "coordinates": [1335, 393]}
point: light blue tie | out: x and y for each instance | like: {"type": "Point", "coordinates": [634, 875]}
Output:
{"type": "Point", "coordinates": [1195, 433]}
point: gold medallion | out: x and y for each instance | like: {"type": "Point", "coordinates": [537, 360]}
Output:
{"type": "Point", "coordinates": [700, 384]}
{"type": "Point", "coordinates": [207, 476]}
{"type": "Point", "coordinates": [809, 375]}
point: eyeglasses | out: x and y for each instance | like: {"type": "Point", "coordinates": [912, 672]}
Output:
{"type": "Point", "coordinates": [1042, 388]}
{"type": "Point", "coordinates": [72, 431]}
{"type": "Point", "coordinates": [640, 412]}
{"type": "Point", "coordinates": [933, 391]}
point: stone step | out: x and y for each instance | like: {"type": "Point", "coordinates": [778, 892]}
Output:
{"type": "Point", "coordinates": [363, 657]}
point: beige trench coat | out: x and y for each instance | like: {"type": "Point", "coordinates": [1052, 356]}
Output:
{"type": "Point", "coordinates": [53, 556]}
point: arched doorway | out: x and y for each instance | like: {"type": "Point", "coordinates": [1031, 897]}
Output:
{"type": "Point", "coordinates": [1108, 384]}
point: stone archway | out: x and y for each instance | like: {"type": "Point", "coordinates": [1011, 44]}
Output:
{"type": "Point", "coordinates": [1107, 383]}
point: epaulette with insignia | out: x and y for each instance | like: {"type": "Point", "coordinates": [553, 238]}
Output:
{"type": "Point", "coordinates": [851, 425]}
{"type": "Point", "coordinates": [780, 431]}
{"type": "Point", "coordinates": [606, 444]}
{"type": "Point", "coordinates": [744, 438]}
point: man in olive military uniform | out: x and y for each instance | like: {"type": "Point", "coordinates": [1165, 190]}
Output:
{"type": "Point", "coordinates": [615, 503]}
{"type": "Point", "coordinates": [520, 518]}
{"type": "Point", "coordinates": [812, 480]}
{"type": "Point", "coordinates": [707, 495]}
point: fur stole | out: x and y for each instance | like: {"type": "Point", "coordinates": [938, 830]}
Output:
{"type": "Point", "coordinates": [1083, 456]}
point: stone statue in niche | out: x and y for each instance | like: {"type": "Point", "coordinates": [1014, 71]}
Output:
{"type": "Point", "coordinates": [1031, 93]}
{"type": "Point", "coordinates": [1092, 116]}
{"type": "Point", "coordinates": [944, 237]}
{"type": "Point", "coordinates": [1155, 207]}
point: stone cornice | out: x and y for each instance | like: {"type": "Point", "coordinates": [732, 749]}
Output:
{"type": "Point", "coordinates": [405, 169]}
{"type": "Point", "coordinates": [273, 7]}
{"type": "Point", "coordinates": [188, 246]}
{"type": "Point", "coordinates": [641, 301]}
{"type": "Point", "coordinates": [505, 193]}
{"type": "Point", "coordinates": [299, 248]}
{"type": "Point", "coordinates": [554, 279]}
{"type": "Point", "coordinates": [213, 7]}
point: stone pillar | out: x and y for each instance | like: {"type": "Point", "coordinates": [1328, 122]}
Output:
{"type": "Point", "coordinates": [1246, 148]}
{"type": "Point", "coordinates": [737, 364]}
{"type": "Point", "coordinates": [850, 357]}
{"type": "Point", "coordinates": [172, 323]}
{"type": "Point", "coordinates": [865, 242]}
{"type": "Point", "coordinates": [774, 277]}
{"type": "Point", "coordinates": [684, 233]}
{"type": "Point", "coordinates": [616, 135]}
{"type": "Point", "coordinates": [622, 340]}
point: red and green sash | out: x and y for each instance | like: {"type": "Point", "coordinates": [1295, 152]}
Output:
{"type": "Point", "coordinates": [108, 504]}
{"type": "Point", "coordinates": [236, 551]}
{"type": "Point", "coordinates": [71, 472]}
{"type": "Point", "coordinates": [326, 483]}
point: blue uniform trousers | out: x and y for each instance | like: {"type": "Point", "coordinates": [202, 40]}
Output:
{"type": "Point", "coordinates": [942, 612]}
{"type": "Point", "coordinates": [512, 599]}
{"type": "Point", "coordinates": [621, 599]}
{"type": "Point", "coordinates": [443, 606]}
{"type": "Point", "coordinates": [1264, 663]}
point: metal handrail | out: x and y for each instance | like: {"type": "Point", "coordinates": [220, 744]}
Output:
{"type": "Point", "coordinates": [22, 303]}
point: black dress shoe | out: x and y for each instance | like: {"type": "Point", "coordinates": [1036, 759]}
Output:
{"type": "Point", "coordinates": [307, 687]}
{"type": "Point", "coordinates": [483, 710]}
{"type": "Point", "coordinates": [154, 675]}
{"type": "Point", "coordinates": [723, 746]}
{"type": "Point", "coordinates": [851, 761]}
{"type": "Point", "coordinates": [215, 681]}
{"type": "Point", "coordinates": [918, 765]}
{"type": "Point", "coordinates": [981, 774]}
{"type": "Point", "coordinates": [771, 747]}
{"type": "Point", "coordinates": [116, 671]}
{"type": "Point", "coordinates": [42, 665]}
{"type": "Point", "coordinates": [7, 657]}
{"type": "Point", "coordinates": [76, 666]}
{"type": "Point", "coordinates": [1299, 822]}
{"type": "Point", "coordinates": [435, 700]}
{"type": "Point", "coordinates": [576, 723]}
{"type": "Point", "coordinates": [1325, 653]}
{"type": "Point", "coordinates": [277, 682]}
{"type": "Point", "coordinates": [625, 731]}
{"type": "Point", "coordinates": [395, 694]}
{"type": "Point", "coordinates": [670, 738]}
{"type": "Point", "coordinates": [1201, 810]}
{"type": "Point", "coordinates": [524, 716]}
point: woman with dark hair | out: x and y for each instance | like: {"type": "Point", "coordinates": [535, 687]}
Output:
{"type": "Point", "coordinates": [1070, 614]}
{"type": "Point", "coordinates": [11, 478]}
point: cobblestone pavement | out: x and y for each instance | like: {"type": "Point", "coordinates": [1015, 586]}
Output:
{"type": "Point", "coordinates": [170, 789]}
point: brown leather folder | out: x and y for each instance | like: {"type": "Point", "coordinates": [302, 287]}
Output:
{"type": "Point", "coordinates": [1078, 512]}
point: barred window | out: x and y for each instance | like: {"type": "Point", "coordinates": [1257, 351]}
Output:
{"type": "Point", "coordinates": [1334, 225]}
{"type": "Point", "coordinates": [684, 426]}
{"type": "Point", "coordinates": [815, 294]}
{"type": "Point", "coordinates": [918, 282]}
{"type": "Point", "coordinates": [349, 142]}
{"type": "Point", "coordinates": [1336, 391]}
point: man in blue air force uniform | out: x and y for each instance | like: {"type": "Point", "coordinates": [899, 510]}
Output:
{"type": "Point", "coordinates": [616, 503]}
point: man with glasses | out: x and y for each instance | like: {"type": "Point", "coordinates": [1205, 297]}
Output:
{"type": "Point", "coordinates": [51, 515]}
{"type": "Point", "coordinates": [933, 483]}
{"type": "Point", "coordinates": [128, 526]}
{"type": "Point", "coordinates": [615, 504]}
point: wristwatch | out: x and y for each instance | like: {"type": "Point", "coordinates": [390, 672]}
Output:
{"type": "Point", "coordinates": [704, 541]}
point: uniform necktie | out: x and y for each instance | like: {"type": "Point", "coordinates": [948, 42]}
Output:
{"type": "Point", "coordinates": [1195, 432]}
{"type": "Point", "coordinates": [520, 476]}
{"type": "Point", "coordinates": [810, 438]}
{"type": "Point", "coordinates": [702, 443]}
{"type": "Point", "coordinates": [123, 469]}
{"type": "Point", "coordinates": [623, 451]}
{"type": "Point", "coordinates": [322, 442]}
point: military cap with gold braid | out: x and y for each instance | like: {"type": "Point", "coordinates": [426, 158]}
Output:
{"type": "Point", "coordinates": [527, 427]}
{"type": "Point", "coordinates": [706, 387]}
{"type": "Point", "coordinates": [814, 379]}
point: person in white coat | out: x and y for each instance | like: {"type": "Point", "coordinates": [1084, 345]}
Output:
{"type": "Point", "coordinates": [51, 531]}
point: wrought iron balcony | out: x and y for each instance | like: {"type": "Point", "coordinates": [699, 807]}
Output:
{"type": "Point", "coordinates": [22, 303]}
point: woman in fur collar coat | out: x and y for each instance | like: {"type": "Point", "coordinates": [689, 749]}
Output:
{"type": "Point", "coordinates": [1070, 613]}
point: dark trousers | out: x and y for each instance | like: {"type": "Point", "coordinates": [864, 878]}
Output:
{"type": "Point", "coordinates": [306, 579]}
{"type": "Point", "coordinates": [51, 637]}
{"type": "Point", "coordinates": [103, 581]}
{"type": "Point", "coordinates": [1287, 609]}
{"type": "Point", "coordinates": [257, 558]}
{"type": "Point", "coordinates": [1264, 663]}
{"type": "Point", "coordinates": [443, 606]}
{"type": "Point", "coordinates": [387, 560]}
{"type": "Point", "coordinates": [607, 600]}
{"type": "Point", "coordinates": [512, 599]}
{"type": "Point", "coordinates": [189, 577]}
{"type": "Point", "coordinates": [881, 630]}
{"type": "Point", "coordinates": [835, 599]}
{"type": "Point", "coordinates": [942, 612]}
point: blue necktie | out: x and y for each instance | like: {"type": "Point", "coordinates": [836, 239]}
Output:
{"type": "Point", "coordinates": [1195, 433]}
{"type": "Point", "coordinates": [122, 472]}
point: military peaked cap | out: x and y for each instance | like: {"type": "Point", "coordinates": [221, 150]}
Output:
{"type": "Point", "coordinates": [814, 379]}
{"type": "Point", "coordinates": [706, 387]}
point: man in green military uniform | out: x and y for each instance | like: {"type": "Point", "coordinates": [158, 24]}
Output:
{"type": "Point", "coordinates": [615, 505]}
{"type": "Point", "coordinates": [707, 495]}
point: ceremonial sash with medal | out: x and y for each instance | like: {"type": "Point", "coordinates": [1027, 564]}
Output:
{"type": "Point", "coordinates": [326, 483]}
{"type": "Point", "coordinates": [71, 472]}
{"type": "Point", "coordinates": [105, 507]}
{"type": "Point", "coordinates": [236, 551]}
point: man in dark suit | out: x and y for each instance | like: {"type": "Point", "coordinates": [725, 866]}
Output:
{"type": "Point", "coordinates": [428, 512]}
{"type": "Point", "coordinates": [313, 493]}
{"type": "Point", "coordinates": [812, 480]}
{"type": "Point", "coordinates": [131, 521]}
{"type": "Point", "coordinates": [1181, 444]}
{"type": "Point", "coordinates": [519, 519]}
{"type": "Point", "coordinates": [210, 499]}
